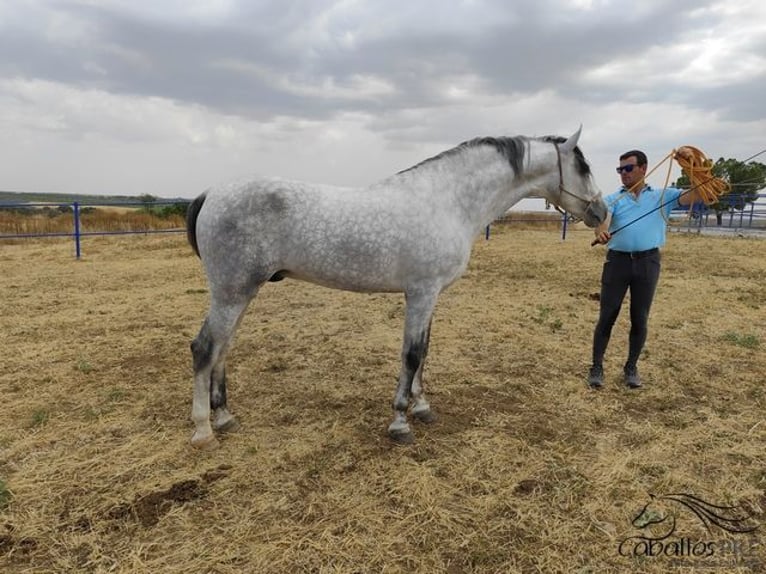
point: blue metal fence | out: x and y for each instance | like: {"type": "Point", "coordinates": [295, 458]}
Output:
{"type": "Point", "coordinates": [753, 215]}
{"type": "Point", "coordinates": [77, 232]}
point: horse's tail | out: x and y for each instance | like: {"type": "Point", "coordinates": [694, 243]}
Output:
{"type": "Point", "coordinates": [191, 221]}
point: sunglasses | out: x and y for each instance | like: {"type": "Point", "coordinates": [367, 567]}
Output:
{"type": "Point", "coordinates": [626, 168]}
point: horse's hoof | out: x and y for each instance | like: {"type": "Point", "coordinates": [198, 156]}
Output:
{"type": "Point", "coordinates": [230, 426]}
{"type": "Point", "coordinates": [426, 416]}
{"type": "Point", "coordinates": [402, 437]}
{"type": "Point", "coordinates": [207, 443]}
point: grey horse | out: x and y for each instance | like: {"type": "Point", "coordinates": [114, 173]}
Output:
{"type": "Point", "coordinates": [410, 233]}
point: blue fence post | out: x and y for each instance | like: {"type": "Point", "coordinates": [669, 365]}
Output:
{"type": "Point", "coordinates": [486, 233]}
{"type": "Point", "coordinates": [76, 211]}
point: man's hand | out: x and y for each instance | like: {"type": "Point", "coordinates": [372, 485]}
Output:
{"type": "Point", "coordinates": [602, 237]}
{"type": "Point", "coordinates": [685, 153]}
{"type": "Point", "coordinates": [602, 231]}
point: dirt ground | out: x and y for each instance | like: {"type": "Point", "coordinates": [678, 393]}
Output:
{"type": "Point", "coordinates": [526, 470]}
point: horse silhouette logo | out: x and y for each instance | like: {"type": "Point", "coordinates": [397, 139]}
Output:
{"type": "Point", "coordinates": [734, 519]}
{"type": "Point", "coordinates": [658, 520]}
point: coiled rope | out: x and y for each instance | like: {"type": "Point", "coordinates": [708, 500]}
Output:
{"type": "Point", "coordinates": [699, 169]}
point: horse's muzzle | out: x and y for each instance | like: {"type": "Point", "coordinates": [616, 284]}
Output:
{"type": "Point", "coordinates": [595, 213]}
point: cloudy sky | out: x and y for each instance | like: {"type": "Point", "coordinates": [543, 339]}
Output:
{"type": "Point", "coordinates": [169, 97]}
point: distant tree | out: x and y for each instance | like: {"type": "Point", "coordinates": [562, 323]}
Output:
{"type": "Point", "coordinates": [166, 211]}
{"type": "Point", "coordinates": [746, 180]}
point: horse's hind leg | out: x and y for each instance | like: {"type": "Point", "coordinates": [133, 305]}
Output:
{"type": "Point", "coordinates": [223, 420]}
{"type": "Point", "coordinates": [209, 352]}
{"type": "Point", "coordinates": [419, 309]}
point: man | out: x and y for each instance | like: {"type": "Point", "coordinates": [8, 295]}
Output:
{"type": "Point", "coordinates": [633, 258]}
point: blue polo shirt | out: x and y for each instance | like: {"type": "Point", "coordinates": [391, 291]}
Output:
{"type": "Point", "coordinates": [647, 232]}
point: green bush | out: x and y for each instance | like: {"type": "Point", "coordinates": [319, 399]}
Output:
{"type": "Point", "coordinates": [168, 211]}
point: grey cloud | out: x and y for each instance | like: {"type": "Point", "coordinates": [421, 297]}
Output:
{"type": "Point", "coordinates": [531, 46]}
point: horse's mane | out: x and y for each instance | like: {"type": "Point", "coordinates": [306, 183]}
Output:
{"type": "Point", "coordinates": [511, 148]}
{"type": "Point", "coordinates": [730, 518]}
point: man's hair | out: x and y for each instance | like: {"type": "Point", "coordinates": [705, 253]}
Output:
{"type": "Point", "coordinates": [639, 155]}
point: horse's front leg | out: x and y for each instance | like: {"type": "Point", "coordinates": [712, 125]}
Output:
{"type": "Point", "coordinates": [421, 409]}
{"type": "Point", "coordinates": [419, 310]}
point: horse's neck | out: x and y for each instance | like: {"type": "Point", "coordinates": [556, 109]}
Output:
{"type": "Point", "coordinates": [480, 182]}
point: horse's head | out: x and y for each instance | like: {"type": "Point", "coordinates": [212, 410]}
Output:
{"type": "Point", "coordinates": [573, 188]}
{"type": "Point", "coordinates": [655, 520]}
{"type": "Point", "coordinates": [650, 514]}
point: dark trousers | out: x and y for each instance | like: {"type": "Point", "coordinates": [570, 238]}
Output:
{"type": "Point", "coordinates": [638, 272]}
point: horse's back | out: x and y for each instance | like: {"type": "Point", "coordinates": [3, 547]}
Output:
{"type": "Point", "coordinates": [371, 239]}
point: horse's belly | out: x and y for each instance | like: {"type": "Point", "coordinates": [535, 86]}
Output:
{"type": "Point", "coordinates": [350, 278]}
{"type": "Point", "coordinates": [375, 256]}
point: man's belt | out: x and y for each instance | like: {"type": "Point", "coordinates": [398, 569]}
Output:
{"type": "Point", "coordinates": [634, 254]}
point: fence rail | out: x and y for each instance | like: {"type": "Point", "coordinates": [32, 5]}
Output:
{"type": "Point", "coordinates": [77, 233]}
{"type": "Point", "coordinates": [752, 216]}
{"type": "Point", "coordinates": [76, 208]}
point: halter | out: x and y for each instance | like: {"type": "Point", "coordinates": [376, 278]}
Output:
{"type": "Point", "coordinates": [562, 189]}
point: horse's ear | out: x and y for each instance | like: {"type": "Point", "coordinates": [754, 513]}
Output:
{"type": "Point", "coordinates": [570, 144]}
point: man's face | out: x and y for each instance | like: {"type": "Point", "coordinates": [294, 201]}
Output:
{"type": "Point", "coordinates": [631, 172]}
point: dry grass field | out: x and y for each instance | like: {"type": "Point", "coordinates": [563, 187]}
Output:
{"type": "Point", "coordinates": [526, 470]}
{"type": "Point", "coordinates": [101, 219]}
